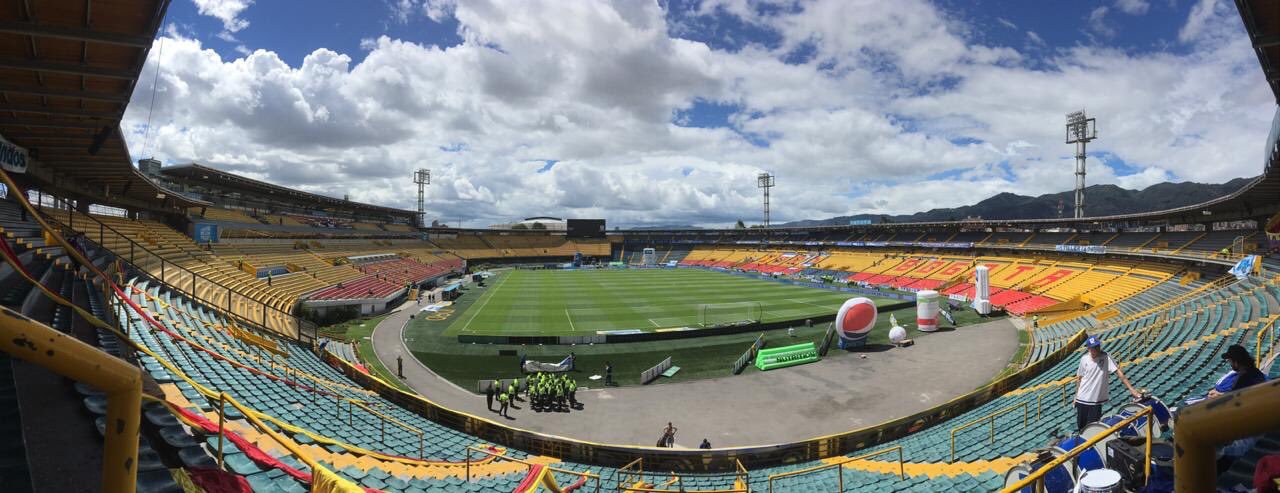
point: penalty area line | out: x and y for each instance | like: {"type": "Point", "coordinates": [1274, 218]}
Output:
{"type": "Point", "coordinates": [566, 315]}
{"type": "Point", "coordinates": [808, 303]}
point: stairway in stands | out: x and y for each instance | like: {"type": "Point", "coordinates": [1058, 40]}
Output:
{"type": "Point", "coordinates": [14, 476]}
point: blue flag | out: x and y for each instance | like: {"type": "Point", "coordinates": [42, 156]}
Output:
{"type": "Point", "coordinates": [1244, 267]}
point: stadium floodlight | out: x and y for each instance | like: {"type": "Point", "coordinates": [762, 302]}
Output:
{"type": "Point", "coordinates": [423, 178]}
{"type": "Point", "coordinates": [1080, 130]}
{"type": "Point", "coordinates": [765, 181]}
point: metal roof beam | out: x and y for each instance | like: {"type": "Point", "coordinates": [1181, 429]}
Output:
{"type": "Point", "coordinates": [67, 68]}
{"type": "Point", "coordinates": [1266, 40]}
{"type": "Point", "coordinates": [28, 122]}
{"type": "Point", "coordinates": [53, 110]}
{"type": "Point", "coordinates": [64, 93]}
{"type": "Point", "coordinates": [77, 34]}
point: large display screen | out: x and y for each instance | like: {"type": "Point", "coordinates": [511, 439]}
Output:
{"type": "Point", "coordinates": [585, 228]}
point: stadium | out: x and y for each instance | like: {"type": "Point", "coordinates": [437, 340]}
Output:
{"type": "Point", "coordinates": [187, 327]}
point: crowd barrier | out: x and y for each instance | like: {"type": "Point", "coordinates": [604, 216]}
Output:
{"type": "Point", "coordinates": [746, 357]}
{"type": "Point", "coordinates": [655, 372]}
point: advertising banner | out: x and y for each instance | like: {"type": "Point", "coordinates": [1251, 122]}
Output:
{"type": "Point", "coordinates": [1090, 249]}
{"type": "Point", "coordinates": [204, 232]}
{"type": "Point", "coordinates": [12, 157]}
{"type": "Point", "coordinates": [782, 357]}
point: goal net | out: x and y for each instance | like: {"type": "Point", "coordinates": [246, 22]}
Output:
{"type": "Point", "coordinates": [729, 314]}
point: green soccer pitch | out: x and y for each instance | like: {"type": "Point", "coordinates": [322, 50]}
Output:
{"type": "Point", "coordinates": [582, 302]}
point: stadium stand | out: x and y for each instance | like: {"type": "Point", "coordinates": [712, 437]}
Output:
{"type": "Point", "coordinates": [217, 214]}
{"type": "Point", "coordinates": [193, 347]}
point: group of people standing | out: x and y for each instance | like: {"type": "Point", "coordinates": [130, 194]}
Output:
{"type": "Point", "coordinates": [553, 392]}
{"type": "Point", "coordinates": [546, 392]}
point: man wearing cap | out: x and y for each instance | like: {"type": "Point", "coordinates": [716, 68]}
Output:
{"type": "Point", "coordinates": [1093, 377]}
{"type": "Point", "coordinates": [1247, 374]}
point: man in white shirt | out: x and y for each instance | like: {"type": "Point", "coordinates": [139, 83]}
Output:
{"type": "Point", "coordinates": [1093, 380]}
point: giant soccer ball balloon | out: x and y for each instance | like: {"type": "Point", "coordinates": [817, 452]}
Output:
{"type": "Point", "coordinates": [897, 334]}
{"type": "Point", "coordinates": [856, 318]}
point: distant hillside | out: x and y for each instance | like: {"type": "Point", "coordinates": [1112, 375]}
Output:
{"type": "Point", "coordinates": [664, 227]}
{"type": "Point", "coordinates": [1100, 200]}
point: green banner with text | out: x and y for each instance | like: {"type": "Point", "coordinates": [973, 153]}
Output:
{"type": "Point", "coordinates": [782, 357]}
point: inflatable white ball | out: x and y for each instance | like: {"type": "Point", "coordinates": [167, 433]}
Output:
{"type": "Point", "coordinates": [897, 334]}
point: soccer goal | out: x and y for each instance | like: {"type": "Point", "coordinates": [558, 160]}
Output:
{"type": "Point", "coordinates": [729, 314]}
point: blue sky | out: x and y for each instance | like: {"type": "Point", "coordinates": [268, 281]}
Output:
{"type": "Point", "coordinates": [662, 112]}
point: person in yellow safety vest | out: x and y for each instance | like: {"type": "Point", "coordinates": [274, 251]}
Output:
{"type": "Point", "coordinates": [511, 389]}
{"type": "Point", "coordinates": [1226, 252]}
{"type": "Point", "coordinates": [1035, 321]}
{"type": "Point", "coordinates": [573, 392]}
{"type": "Point", "coordinates": [503, 398]}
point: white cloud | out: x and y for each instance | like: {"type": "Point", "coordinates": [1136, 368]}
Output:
{"type": "Point", "coordinates": [1035, 38]}
{"type": "Point", "coordinates": [1098, 22]}
{"type": "Point", "coordinates": [1133, 7]}
{"type": "Point", "coordinates": [436, 10]}
{"type": "Point", "coordinates": [1201, 13]}
{"type": "Point", "coordinates": [227, 11]}
{"type": "Point", "coordinates": [890, 98]}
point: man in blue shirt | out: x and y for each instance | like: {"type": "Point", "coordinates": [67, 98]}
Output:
{"type": "Point", "coordinates": [1247, 374]}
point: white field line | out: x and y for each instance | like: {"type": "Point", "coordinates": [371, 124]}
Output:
{"type": "Point", "coordinates": [566, 315]}
{"type": "Point", "coordinates": [475, 311]}
{"type": "Point", "coordinates": [655, 324]}
{"type": "Point", "coordinates": [808, 303]}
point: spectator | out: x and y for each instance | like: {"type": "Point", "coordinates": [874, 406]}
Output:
{"type": "Point", "coordinates": [669, 435]}
{"type": "Point", "coordinates": [1247, 374]}
{"type": "Point", "coordinates": [1093, 377]}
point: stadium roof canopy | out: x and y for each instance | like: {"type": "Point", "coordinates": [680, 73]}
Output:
{"type": "Point", "coordinates": [1262, 21]}
{"type": "Point", "coordinates": [219, 178]}
{"type": "Point", "coordinates": [67, 70]}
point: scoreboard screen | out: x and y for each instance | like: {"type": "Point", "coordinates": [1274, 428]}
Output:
{"type": "Point", "coordinates": [584, 228]}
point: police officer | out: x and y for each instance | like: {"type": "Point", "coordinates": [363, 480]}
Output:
{"type": "Point", "coordinates": [573, 393]}
{"type": "Point", "coordinates": [399, 366]}
{"type": "Point", "coordinates": [503, 399]}
{"type": "Point", "coordinates": [488, 396]}
{"type": "Point", "coordinates": [608, 374]}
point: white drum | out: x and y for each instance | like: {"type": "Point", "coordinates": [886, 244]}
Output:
{"type": "Point", "coordinates": [1016, 473]}
{"type": "Point", "coordinates": [1092, 430]}
{"type": "Point", "coordinates": [1099, 481]}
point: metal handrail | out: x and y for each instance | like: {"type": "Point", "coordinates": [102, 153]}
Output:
{"type": "Point", "coordinates": [990, 418]}
{"type": "Point", "coordinates": [624, 473]}
{"type": "Point", "coordinates": [497, 456]}
{"type": "Point", "coordinates": [422, 437]}
{"type": "Point", "coordinates": [1065, 396]}
{"type": "Point", "coordinates": [41, 345]}
{"type": "Point", "coordinates": [902, 469]}
{"type": "Point", "coordinates": [304, 326]}
{"type": "Point", "coordinates": [1036, 478]}
{"type": "Point", "coordinates": [1270, 331]}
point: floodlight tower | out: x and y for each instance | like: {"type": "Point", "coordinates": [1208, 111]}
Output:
{"type": "Point", "coordinates": [765, 181]}
{"type": "Point", "coordinates": [423, 178]}
{"type": "Point", "coordinates": [1080, 130]}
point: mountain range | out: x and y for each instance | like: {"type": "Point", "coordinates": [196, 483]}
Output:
{"type": "Point", "coordinates": [1100, 200]}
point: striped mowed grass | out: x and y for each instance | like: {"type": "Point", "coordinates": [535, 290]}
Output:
{"type": "Point", "coordinates": [582, 302]}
